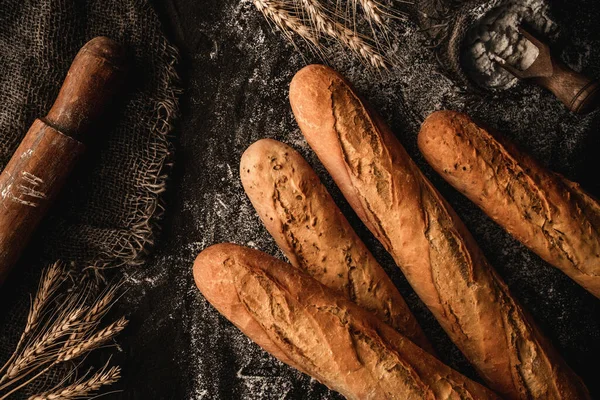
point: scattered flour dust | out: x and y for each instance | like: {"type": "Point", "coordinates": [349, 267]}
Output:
{"type": "Point", "coordinates": [404, 96]}
{"type": "Point", "coordinates": [496, 36]}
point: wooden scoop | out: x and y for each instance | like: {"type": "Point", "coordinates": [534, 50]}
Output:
{"type": "Point", "coordinates": [578, 92]}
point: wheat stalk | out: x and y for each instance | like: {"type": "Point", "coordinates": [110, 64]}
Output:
{"type": "Point", "coordinates": [373, 12]}
{"type": "Point", "coordinates": [76, 348]}
{"type": "Point", "coordinates": [324, 24]}
{"type": "Point", "coordinates": [59, 331]}
{"type": "Point", "coordinates": [51, 280]}
{"type": "Point", "coordinates": [44, 346]}
{"type": "Point", "coordinates": [83, 387]}
{"type": "Point", "coordinates": [276, 11]}
{"type": "Point", "coordinates": [95, 312]}
{"type": "Point", "coordinates": [317, 22]}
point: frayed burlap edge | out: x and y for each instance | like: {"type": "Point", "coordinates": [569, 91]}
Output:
{"type": "Point", "coordinates": [133, 245]}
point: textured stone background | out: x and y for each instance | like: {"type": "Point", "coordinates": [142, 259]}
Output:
{"type": "Point", "coordinates": [236, 72]}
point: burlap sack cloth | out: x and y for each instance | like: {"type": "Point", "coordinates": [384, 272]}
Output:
{"type": "Point", "coordinates": [444, 24]}
{"type": "Point", "coordinates": [108, 214]}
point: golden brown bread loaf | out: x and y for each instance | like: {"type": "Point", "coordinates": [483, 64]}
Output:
{"type": "Point", "coordinates": [430, 244]}
{"type": "Point", "coordinates": [316, 237]}
{"type": "Point", "coordinates": [322, 333]}
{"type": "Point", "coordinates": [549, 214]}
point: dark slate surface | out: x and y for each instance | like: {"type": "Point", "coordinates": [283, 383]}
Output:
{"type": "Point", "coordinates": [236, 72]}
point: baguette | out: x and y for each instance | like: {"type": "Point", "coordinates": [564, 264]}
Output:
{"type": "Point", "coordinates": [437, 254]}
{"type": "Point", "coordinates": [315, 236]}
{"type": "Point", "coordinates": [552, 216]}
{"type": "Point", "coordinates": [324, 334]}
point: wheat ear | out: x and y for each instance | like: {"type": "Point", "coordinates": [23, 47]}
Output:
{"type": "Point", "coordinates": [324, 24]}
{"type": "Point", "coordinates": [53, 277]}
{"type": "Point", "coordinates": [373, 12]}
{"type": "Point", "coordinates": [83, 387]}
{"type": "Point", "coordinates": [95, 313]}
{"type": "Point", "coordinates": [44, 348]}
{"type": "Point", "coordinates": [58, 331]}
{"type": "Point", "coordinates": [277, 12]}
{"type": "Point", "coordinates": [51, 280]}
{"type": "Point", "coordinates": [78, 347]}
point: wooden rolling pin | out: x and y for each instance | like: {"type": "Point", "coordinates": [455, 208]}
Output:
{"type": "Point", "coordinates": [38, 169]}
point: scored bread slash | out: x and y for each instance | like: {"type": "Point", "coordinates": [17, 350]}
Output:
{"type": "Point", "coordinates": [315, 236]}
{"type": "Point", "coordinates": [552, 216]}
{"type": "Point", "coordinates": [428, 241]}
{"type": "Point", "coordinates": [323, 334]}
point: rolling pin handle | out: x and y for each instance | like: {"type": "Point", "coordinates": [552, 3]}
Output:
{"type": "Point", "coordinates": [92, 80]}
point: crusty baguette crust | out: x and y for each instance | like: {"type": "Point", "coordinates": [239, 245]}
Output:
{"type": "Point", "coordinates": [215, 283]}
{"type": "Point", "coordinates": [316, 237]}
{"type": "Point", "coordinates": [549, 214]}
{"type": "Point", "coordinates": [430, 244]}
{"type": "Point", "coordinates": [329, 337]}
